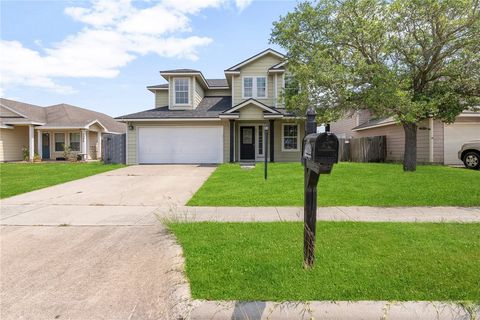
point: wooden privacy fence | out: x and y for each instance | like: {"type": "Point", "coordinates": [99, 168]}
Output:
{"type": "Point", "coordinates": [114, 148]}
{"type": "Point", "coordinates": [366, 149]}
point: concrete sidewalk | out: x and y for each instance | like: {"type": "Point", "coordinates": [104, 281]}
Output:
{"type": "Point", "coordinates": [338, 310]}
{"type": "Point", "coordinates": [367, 214]}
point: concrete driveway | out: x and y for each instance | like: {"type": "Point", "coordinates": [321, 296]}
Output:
{"type": "Point", "coordinates": [94, 249]}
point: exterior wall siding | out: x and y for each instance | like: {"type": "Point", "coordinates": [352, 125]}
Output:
{"type": "Point", "coordinates": [161, 98]}
{"type": "Point", "coordinates": [218, 92]}
{"type": "Point", "coordinates": [12, 142]}
{"type": "Point", "coordinates": [396, 141]}
{"type": "Point", "coordinates": [343, 127]}
{"type": "Point", "coordinates": [197, 95]}
{"type": "Point", "coordinates": [287, 156]}
{"type": "Point", "coordinates": [258, 67]}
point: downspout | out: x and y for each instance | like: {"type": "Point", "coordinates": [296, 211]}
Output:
{"type": "Point", "coordinates": [430, 140]}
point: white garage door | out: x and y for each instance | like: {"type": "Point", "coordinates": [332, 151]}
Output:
{"type": "Point", "coordinates": [454, 136]}
{"type": "Point", "coordinates": [180, 145]}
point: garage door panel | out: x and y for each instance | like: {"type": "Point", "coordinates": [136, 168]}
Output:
{"type": "Point", "coordinates": [180, 145]}
{"type": "Point", "coordinates": [455, 135]}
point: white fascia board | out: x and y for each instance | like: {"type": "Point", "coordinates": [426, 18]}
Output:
{"type": "Point", "coordinates": [168, 119]}
{"type": "Point", "coordinates": [276, 71]}
{"type": "Point", "coordinates": [229, 116]}
{"type": "Point", "coordinates": [376, 126]}
{"type": "Point", "coordinates": [98, 122]}
{"type": "Point", "coordinates": [255, 57]}
{"type": "Point", "coordinates": [24, 123]}
{"type": "Point", "coordinates": [272, 116]}
{"type": "Point", "coordinates": [254, 102]}
{"type": "Point", "coordinates": [219, 88]}
{"type": "Point", "coordinates": [468, 115]}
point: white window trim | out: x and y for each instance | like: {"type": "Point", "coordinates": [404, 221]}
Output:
{"type": "Point", "coordinates": [298, 137]}
{"type": "Point", "coordinates": [55, 141]}
{"type": "Point", "coordinates": [175, 104]}
{"type": "Point", "coordinates": [254, 87]}
{"type": "Point", "coordinates": [261, 133]}
{"type": "Point", "coordinates": [79, 141]}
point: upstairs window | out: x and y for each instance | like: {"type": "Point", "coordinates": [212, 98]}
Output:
{"type": "Point", "coordinates": [261, 87]}
{"type": "Point", "coordinates": [248, 87]}
{"type": "Point", "coordinates": [254, 87]}
{"type": "Point", "coordinates": [182, 95]}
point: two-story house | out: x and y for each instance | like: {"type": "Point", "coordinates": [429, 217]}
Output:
{"type": "Point", "coordinates": [199, 120]}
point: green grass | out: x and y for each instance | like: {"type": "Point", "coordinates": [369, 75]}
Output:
{"type": "Point", "coordinates": [349, 184]}
{"type": "Point", "coordinates": [16, 178]}
{"type": "Point", "coordinates": [355, 261]}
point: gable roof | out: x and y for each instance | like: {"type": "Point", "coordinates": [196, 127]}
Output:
{"type": "Point", "coordinates": [212, 84]}
{"type": "Point", "coordinates": [254, 102]}
{"type": "Point", "coordinates": [60, 116]}
{"type": "Point", "coordinates": [374, 123]}
{"type": "Point", "coordinates": [209, 107]}
{"type": "Point", "coordinates": [255, 57]}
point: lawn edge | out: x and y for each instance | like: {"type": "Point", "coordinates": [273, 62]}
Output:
{"type": "Point", "coordinates": [224, 309]}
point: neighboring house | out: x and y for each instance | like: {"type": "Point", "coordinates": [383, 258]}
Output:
{"type": "Point", "coordinates": [437, 142]}
{"type": "Point", "coordinates": [198, 120]}
{"type": "Point", "coordinates": [45, 130]}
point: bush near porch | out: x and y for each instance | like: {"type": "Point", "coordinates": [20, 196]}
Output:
{"type": "Point", "coordinates": [17, 178]}
{"type": "Point", "coordinates": [349, 184]}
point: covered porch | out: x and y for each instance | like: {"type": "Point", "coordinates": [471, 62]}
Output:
{"type": "Point", "coordinates": [55, 143]}
{"type": "Point", "coordinates": [257, 131]}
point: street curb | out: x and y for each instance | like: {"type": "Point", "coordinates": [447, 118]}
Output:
{"type": "Point", "coordinates": [339, 310]}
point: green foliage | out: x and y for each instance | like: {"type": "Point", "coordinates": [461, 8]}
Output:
{"type": "Point", "coordinates": [25, 153]}
{"type": "Point", "coordinates": [16, 178]}
{"type": "Point", "coordinates": [410, 59]}
{"type": "Point", "coordinates": [355, 261]}
{"type": "Point", "coordinates": [349, 184]}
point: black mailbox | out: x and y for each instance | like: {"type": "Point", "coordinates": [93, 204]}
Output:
{"type": "Point", "coordinates": [320, 152]}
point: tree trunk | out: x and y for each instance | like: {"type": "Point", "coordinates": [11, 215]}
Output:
{"type": "Point", "coordinates": [410, 154]}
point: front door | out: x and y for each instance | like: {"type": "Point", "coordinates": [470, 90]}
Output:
{"type": "Point", "coordinates": [45, 146]}
{"type": "Point", "coordinates": [247, 143]}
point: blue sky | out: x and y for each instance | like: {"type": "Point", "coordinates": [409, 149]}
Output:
{"type": "Point", "coordinates": [102, 54]}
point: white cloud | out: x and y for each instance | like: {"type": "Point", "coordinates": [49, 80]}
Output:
{"type": "Point", "coordinates": [242, 4]}
{"type": "Point", "coordinates": [115, 33]}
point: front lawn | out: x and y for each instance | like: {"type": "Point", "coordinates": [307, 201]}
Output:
{"type": "Point", "coordinates": [350, 184]}
{"type": "Point", "coordinates": [355, 261]}
{"type": "Point", "coordinates": [16, 178]}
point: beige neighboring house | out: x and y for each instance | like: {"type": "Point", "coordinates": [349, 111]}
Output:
{"type": "Point", "coordinates": [437, 142]}
{"type": "Point", "coordinates": [45, 130]}
{"type": "Point", "coordinates": [199, 120]}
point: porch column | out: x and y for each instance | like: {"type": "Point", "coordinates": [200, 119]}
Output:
{"type": "Point", "coordinates": [99, 145]}
{"type": "Point", "coordinates": [31, 143]}
{"type": "Point", "coordinates": [83, 144]}
{"type": "Point", "coordinates": [272, 140]}
{"type": "Point", "coordinates": [232, 140]}
{"type": "Point", "coordinates": [39, 143]}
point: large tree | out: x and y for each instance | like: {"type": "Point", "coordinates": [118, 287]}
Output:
{"type": "Point", "coordinates": [407, 59]}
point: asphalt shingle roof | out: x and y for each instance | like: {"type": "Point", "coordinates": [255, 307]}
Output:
{"type": "Point", "coordinates": [61, 115]}
{"type": "Point", "coordinates": [217, 82]}
{"type": "Point", "coordinates": [209, 107]}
